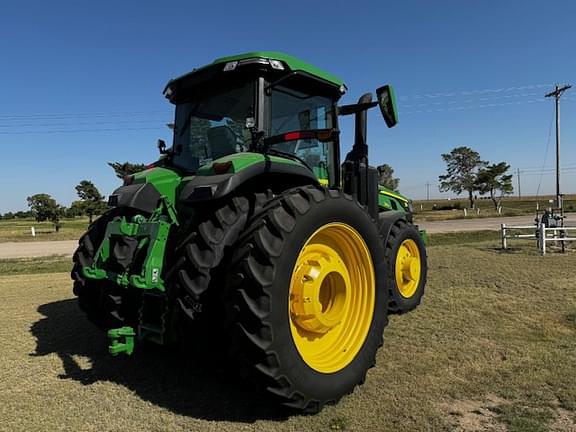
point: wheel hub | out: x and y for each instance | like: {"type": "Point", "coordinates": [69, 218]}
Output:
{"type": "Point", "coordinates": [319, 294]}
{"type": "Point", "coordinates": [332, 297]}
{"type": "Point", "coordinates": [408, 268]}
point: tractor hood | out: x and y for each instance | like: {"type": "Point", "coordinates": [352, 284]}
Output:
{"type": "Point", "coordinates": [143, 190]}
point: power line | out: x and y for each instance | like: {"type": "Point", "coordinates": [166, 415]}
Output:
{"type": "Point", "coordinates": [17, 117]}
{"type": "Point", "coordinates": [463, 108]}
{"type": "Point", "coordinates": [78, 123]}
{"type": "Point", "coordinates": [80, 130]}
{"type": "Point", "coordinates": [471, 100]}
{"type": "Point", "coordinates": [473, 92]}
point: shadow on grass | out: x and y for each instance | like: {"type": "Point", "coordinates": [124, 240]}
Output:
{"type": "Point", "coordinates": [168, 378]}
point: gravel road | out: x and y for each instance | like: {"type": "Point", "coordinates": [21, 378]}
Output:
{"type": "Point", "coordinates": [37, 249]}
{"type": "Point", "coordinates": [67, 247]}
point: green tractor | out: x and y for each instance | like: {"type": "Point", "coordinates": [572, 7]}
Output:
{"type": "Point", "coordinates": [250, 239]}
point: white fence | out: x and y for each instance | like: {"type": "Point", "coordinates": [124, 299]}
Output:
{"type": "Point", "coordinates": [539, 233]}
{"type": "Point", "coordinates": [559, 234]}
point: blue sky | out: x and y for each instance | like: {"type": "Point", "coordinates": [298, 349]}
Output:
{"type": "Point", "coordinates": [81, 82]}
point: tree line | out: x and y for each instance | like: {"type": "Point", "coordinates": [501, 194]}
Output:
{"type": "Point", "coordinates": [91, 202]}
{"type": "Point", "coordinates": [466, 173]}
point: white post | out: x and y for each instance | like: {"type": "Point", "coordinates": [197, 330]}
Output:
{"type": "Point", "coordinates": [499, 210]}
{"type": "Point", "coordinates": [543, 239]}
{"type": "Point", "coordinates": [465, 212]}
{"type": "Point", "coordinates": [504, 245]}
{"type": "Point", "coordinates": [477, 210]}
{"type": "Point", "coordinates": [420, 207]}
{"type": "Point", "coordinates": [33, 231]}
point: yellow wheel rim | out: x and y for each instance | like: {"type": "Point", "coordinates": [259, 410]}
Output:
{"type": "Point", "coordinates": [332, 297]}
{"type": "Point", "coordinates": [408, 268]}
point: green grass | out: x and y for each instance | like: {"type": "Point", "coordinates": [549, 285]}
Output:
{"type": "Point", "coordinates": [455, 238]}
{"type": "Point", "coordinates": [19, 230]}
{"type": "Point", "coordinates": [492, 347]}
{"type": "Point", "coordinates": [524, 419]}
{"type": "Point", "coordinates": [424, 210]}
{"type": "Point", "coordinates": [35, 265]}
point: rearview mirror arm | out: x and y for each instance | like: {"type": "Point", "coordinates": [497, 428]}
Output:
{"type": "Point", "coordinates": [355, 108]}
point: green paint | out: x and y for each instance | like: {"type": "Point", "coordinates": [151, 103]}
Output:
{"type": "Point", "coordinates": [390, 200]}
{"type": "Point", "coordinates": [424, 237]}
{"type": "Point", "coordinates": [121, 340]}
{"type": "Point", "coordinates": [243, 160]}
{"type": "Point", "coordinates": [293, 63]}
{"type": "Point", "coordinates": [164, 180]}
{"type": "Point", "coordinates": [385, 191]}
{"type": "Point", "coordinates": [152, 234]}
{"type": "Point", "coordinates": [394, 105]}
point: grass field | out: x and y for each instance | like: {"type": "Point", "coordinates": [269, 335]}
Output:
{"type": "Point", "coordinates": [19, 230]}
{"type": "Point", "coordinates": [453, 209]}
{"type": "Point", "coordinates": [492, 348]}
{"type": "Point", "coordinates": [72, 229]}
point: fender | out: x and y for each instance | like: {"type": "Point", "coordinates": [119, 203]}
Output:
{"type": "Point", "coordinates": [265, 173]}
{"type": "Point", "coordinates": [385, 221]}
{"type": "Point", "coordinates": [140, 196]}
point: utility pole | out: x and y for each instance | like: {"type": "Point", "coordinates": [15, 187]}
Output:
{"type": "Point", "coordinates": [557, 93]}
{"type": "Point", "coordinates": [519, 193]}
{"type": "Point", "coordinates": [427, 191]}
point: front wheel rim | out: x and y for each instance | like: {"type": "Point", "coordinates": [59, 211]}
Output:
{"type": "Point", "coordinates": [408, 268]}
{"type": "Point", "coordinates": [332, 297]}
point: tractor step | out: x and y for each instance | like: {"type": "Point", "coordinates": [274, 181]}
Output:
{"type": "Point", "coordinates": [121, 340]}
{"type": "Point", "coordinates": [153, 313]}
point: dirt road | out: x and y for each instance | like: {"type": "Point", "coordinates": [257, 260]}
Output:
{"type": "Point", "coordinates": [37, 249]}
{"type": "Point", "coordinates": [480, 224]}
{"type": "Point", "coordinates": [67, 247]}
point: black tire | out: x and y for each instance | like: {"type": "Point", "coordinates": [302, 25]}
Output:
{"type": "Point", "coordinates": [259, 335]}
{"type": "Point", "coordinates": [401, 232]}
{"type": "Point", "coordinates": [106, 304]}
{"type": "Point", "coordinates": [201, 251]}
{"type": "Point", "coordinates": [196, 276]}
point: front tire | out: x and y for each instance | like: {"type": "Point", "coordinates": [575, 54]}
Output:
{"type": "Point", "coordinates": [309, 297]}
{"type": "Point", "coordinates": [406, 265]}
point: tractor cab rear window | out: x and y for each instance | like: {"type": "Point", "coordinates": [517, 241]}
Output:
{"type": "Point", "coordinates": [292, 110]}
{"type": "Point", "coordinates": [211, 125]}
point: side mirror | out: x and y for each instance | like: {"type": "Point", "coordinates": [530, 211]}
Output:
{"type": "Point", "coordinates": [387, 104]}
{"type": "Point", "coordinates": [162, 146]}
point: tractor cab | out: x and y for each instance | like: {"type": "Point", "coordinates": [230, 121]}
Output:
{"type": "Point", "coordinates": [260, 102]}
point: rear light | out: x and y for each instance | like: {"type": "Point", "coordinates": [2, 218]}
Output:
{"type": "Point", "coordinates": [230, 66]}
{"type": "Point", "coordinates": [319, 134]}
{"type": "Point", "coordinates": [276, 64]}
{"type": "Point", "coordinates": [221, 168]}
{"type": "Point", "coordinates": [291, 136]}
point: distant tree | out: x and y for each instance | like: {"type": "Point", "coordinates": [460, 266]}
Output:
{"type": "Point", "coordinates": [463, 165]}
{"type": "Point", "coordinates": [92, 201]}
{"type": "Point", "coordinates": [45, 208]}
{"type": "Point", "coordinates": [77, 208]}
{"type": "Point", "coordinates": [386, 177]}
{"type": "Point", "coordinates": [8, 216]}
{"type": "Point", "coordinates": [23, 214]}
{"type": "Point", "coordinates": [493, 180]}
{"type": "Point", "coordinates": [126, 168]}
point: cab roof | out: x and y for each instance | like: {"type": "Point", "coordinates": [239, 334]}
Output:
{"type": "Point", "coordinates": [290, 63]}
{"type": "Point", "coordinates": [293, 63]}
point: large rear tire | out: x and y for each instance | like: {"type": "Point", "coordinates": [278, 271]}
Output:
{"type": "Point", "coordinates": [308, 297]}
{"type": "Point", "coordinates": [406, 265]}
{"type": "Point", "coordinates": [106, 304]}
